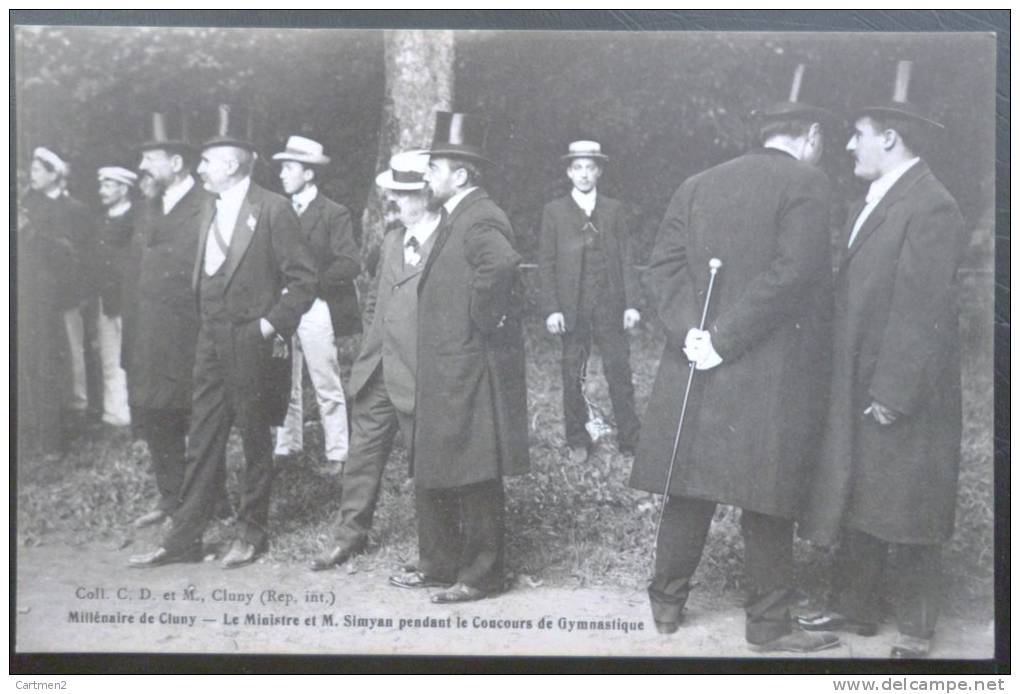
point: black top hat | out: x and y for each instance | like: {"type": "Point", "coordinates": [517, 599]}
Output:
{"type": "Point", "coordinates": [899, 106]}
{"type": "Point", "coordinates": [794, 108]}
{"type": "Point", "coordinates": [233, 129]}
{"type": "Point", "coordinates": [459, 135]}
{"type": "Point", "coordinates": [167, 130]}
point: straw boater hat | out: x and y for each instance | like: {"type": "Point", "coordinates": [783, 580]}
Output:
{"type": "Point", "coordinates": [167, 131]}
{"type": "Point", "coordinates": [52, 158]}
{"type": "Point", "coordinates": [406, 172]}
{"type": "Point", "coordinates": [794, 108]}
{"type": "Point", "coordinates": [584, 149]}
{"type": "Point", "coordinates": [118, 174]}
{"type": "Point", "coordinates": [460, 136]}
{"type": "Point", "coordinates": [303, 150]}
{"type": "Point", "coordinates": [229, 130]}
{"type": "Point", "coordinates": [899, 106]}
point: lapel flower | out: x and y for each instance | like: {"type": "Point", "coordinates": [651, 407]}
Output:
{"type": "Point", "coordinates": [251, 222]}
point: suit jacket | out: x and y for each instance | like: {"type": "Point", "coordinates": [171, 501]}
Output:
{"type": "Point", "coordinates": [896, 342]}
{"type": "Point", "coordinates": [754, 430]}
{"type": "Point", "coordinates": [160, 323]}
{"type": "Point", "coordinates": [111, 257]}
{"type": "Point", "coordinates": [561, 254]}
{"type": "Point", "coordinates": [392, 338]}
{"type": "Point", "coordinates": [47, 258]}
{"type": "Point", "coordinates": [329, 233]}
{"type": "Point", "coordinates": [270, 274]}
{"type": "Point", "coordinates": [471, 420]}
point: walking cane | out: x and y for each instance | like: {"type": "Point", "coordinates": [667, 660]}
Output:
{"type": "Point", "coordinates": [713, 267]}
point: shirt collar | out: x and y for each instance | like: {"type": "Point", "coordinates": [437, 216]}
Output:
{"type": "Point", "coordinates": [782, 147]}
{"type": "Point", "coordinates": [422, 230]}
{"type": "Point", "coordinates": [54, 194]}
{"type": "Point", "coordinates": [455, 199]}
{"type": "Point", "coordinates": [305, 196]}
{"type": "Point", "coordinates": [586, 201]}
{"type": "Point", "coordinates": [235, 194]}
{"type": "Point", "coordinates": [177, 190]}
{"type": "Point", "coordinates": [118, 210]}
{"type": "Point", "coordinates": [880, 186]}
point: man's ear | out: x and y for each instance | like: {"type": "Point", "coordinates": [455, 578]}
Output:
{"type": "Point", "coordinates": [177, 163]}
{"type": "Point", "coordinates": [460, 176]}
{"type": "Point", "coordinates": [889, 139]}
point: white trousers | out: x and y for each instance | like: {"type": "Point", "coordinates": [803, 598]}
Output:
{"type": "Point", "coordinates": [115, 395]}
{"type": "Point", "coordinates": [314, 344]}
{"type": "Point", "coordinates": [78, 398]}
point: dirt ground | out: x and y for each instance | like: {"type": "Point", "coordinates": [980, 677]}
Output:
{"type": "Point", "coordinates": [63, 591]}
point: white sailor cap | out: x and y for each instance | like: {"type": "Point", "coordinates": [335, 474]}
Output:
{"type": "Point", "coordinates": [118, 174]}
{"type": "Point", "coordinates": [51, 158]}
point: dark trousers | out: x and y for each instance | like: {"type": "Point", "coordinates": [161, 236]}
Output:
{"type": "Point", "coordinates": [917, 570]}
{"type": "Point", "coordinates": [605, 327]}
{"type": "Point", "coordinates": [223, 392]}
{"type": "Point", "coordinates": [460, 534]}
{"type": "Point", "coordinates": [374, 425]}
{"type": "Point", "coordinates": [43, 375]}
{"type": "Point", "coordinates": [164, 432]}
{"type": "Point", "coordinates": [768, 565]}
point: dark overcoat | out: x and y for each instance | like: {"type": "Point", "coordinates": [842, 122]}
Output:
{"type": "Point", "coordinates": [561, 256]}
{"type": "Point", "coordinates": [270, 273]}
{"type": "Point", "coordinates": [471, 421]}
{"type": "Point", "coordinates": [329, 233]}
{"type": "Point", "coordinates": [753, 423]}
{"type": "Point", "coordinates": [111, 258]}
{"type": "Point", "coordinates": [896, 342]}
{"type": "Point", "coordinates": [160, 323]}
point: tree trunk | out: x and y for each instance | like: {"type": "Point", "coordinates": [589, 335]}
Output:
{"type": "Point", "coordinates": [419, 80]}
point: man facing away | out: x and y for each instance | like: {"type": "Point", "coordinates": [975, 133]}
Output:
{"type": "Point", "coordinates": [253, 278]}
{"type": "Point", "coordinates": [116, 227]}
{"type": "Point", "coordinates": [886, 486]}
{"type": "Point", "coordinates": [471, 425]}
{"type": "Point", "coordinates": [749, 437]}
{"type": "Point", "coordinates": [382, 385]}
{"type": "Point", "coordinates": [590, 291]}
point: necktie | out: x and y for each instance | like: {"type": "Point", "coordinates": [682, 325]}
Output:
{"type": "Point", "coordinates": [214, 260]}
{"type": "Point", "coordinates": [411, 256]}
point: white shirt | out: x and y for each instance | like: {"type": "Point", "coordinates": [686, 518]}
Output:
{"type": "Point", "coordinates": [420, 232]}
{"type": "Point", "coordinates": [586, 201]}
{"type": "Point", "coordinates": [54, 193]}
{"type": "Point", "coordinates": [303, 198]}
{"type": "Point", "coordinates": [879, 187]}
{"type": "Point", "coordinates": [455, 199]}
{"type": "Point", "coordinates": [782, 147]}
{"type": "Point", "coordinates": [118, 210]}
{"type": "Point", "coordinates": [228, 205]}
{"type": "Point", "coordinates": [175, 191]}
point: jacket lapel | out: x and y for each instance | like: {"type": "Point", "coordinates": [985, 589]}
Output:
{"type": "Point", "coordinates": [401, 271]}
{"type": "Point", "coordinates": [877, 216]}
{"type": "Point", "coordinates": [444, 230]}
{"type": "Point", "coordinates": [207, 212]}
{"type": "Point", "coordinates": [311, 216]}
{"type": "Point", "coordinates": [244, 229]}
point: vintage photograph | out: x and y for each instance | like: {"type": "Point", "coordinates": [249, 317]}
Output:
{"type": "Point", "coordinates": [405, 341]}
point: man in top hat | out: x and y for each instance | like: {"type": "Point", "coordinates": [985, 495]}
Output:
{"type": "Point", "coordinates": [253, 279]}
{"type": "Point", "coordinates": [590, 290]}
{"type": "Point", "coordinates": [160, 320]}
{"type": "Point", "coordinates": [116, 227]}
{"type": "Point", "coordinates": [888, 475]}
{"type": "Point", "coordinates": [471, 425]}
{"type": "Point", "coordinates": [749, 435]}
{"type": "Point", "coordinates": [46, 268]}
{"type": "Point", "coordinates": [329, 233]}
{"type": "Point", "coordinates": [382, 384]}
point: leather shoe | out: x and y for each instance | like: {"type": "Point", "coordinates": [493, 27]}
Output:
{"type": "Point", "coordinates": [336, 557]}
{"type": "Point", "coordinates": [150, 518]}
{"type": "Point", "coordinates": [798, 641]}
{"type": "Point", "coordinates": [910, 647]}
{"type": "Point", "coordinates": [416, 579]}
{"type": "Point", "coordinates": [459, 592]}
{"type": "Point", "coordinates": [241, 553]}
{"type": "Point", "coordinates": [834, 621]}
{"type": "Point", "coordinates": [161, 556]}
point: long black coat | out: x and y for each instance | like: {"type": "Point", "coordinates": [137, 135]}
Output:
{"type": "Point", "coordinates": [753, 423]}
{"type": "Point", "coordinates": [160, 322]}
{"type": "Point", "coordinates": [471, 421]}
{"type": "Point", "coordinates": [561, 255]}
{"type": "Point", "coordinates": [111, 258]}
{"type": "Point", "coordinates": [896, 342]}
{"type": "Point", "coordinates": [329, 233]}
{"type": "Point", "coordinates": [270, 273]}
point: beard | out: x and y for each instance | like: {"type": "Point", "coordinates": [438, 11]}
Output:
{"type": "Point", "coordinates": [434, 202]}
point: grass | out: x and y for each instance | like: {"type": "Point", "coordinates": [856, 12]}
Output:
{"type": "Point", "coordinates": [575, 525]}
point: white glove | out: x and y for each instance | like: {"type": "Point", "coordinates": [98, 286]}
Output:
{"type": "Point", "coordinates": [556, 323]}
{"type": "Point", "coordinates": [698, 348]}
